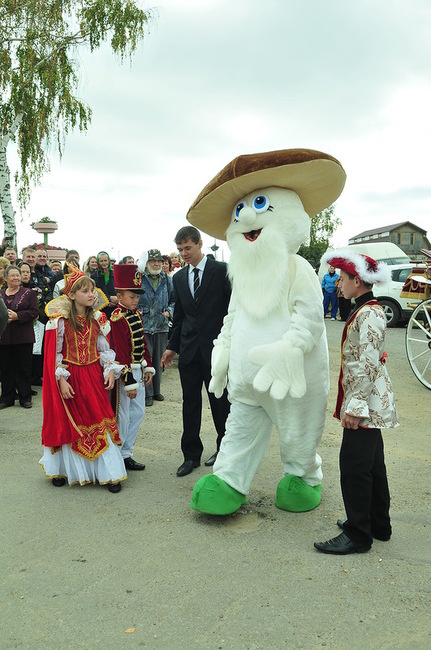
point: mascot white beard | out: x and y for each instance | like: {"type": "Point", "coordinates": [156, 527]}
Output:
{"type": "Point", "coordinates": [272, 354]}
{"type": "Point", "coordinates": [253, 269]}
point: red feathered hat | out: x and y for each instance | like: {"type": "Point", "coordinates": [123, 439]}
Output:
{"type": "Point", "coordinates": [362, 266]}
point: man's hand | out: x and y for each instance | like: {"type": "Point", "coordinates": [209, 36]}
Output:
{"type": "Point", "coordinates": [131, 394]}
{"type": "Point", "coordinates": [167, 358]}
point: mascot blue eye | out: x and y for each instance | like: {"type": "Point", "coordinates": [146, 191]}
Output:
{"type": "Point", "coordinates": [261, 203]}
{"type": "Point", "coordinates": [239, 207]}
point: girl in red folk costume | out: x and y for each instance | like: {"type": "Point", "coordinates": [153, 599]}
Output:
{"type": "Point", "coordinates": [79, 432]}
{"type": "Point", "coordinates": [365, 405]}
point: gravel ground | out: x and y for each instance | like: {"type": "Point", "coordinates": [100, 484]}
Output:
{"type": "Point", "coordinates": [84, 568]}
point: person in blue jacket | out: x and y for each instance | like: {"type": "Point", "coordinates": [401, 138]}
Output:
{"type": "Point", "coordinates": [156, 303]}
{"type": "Point", "coordinates": [330, 296]}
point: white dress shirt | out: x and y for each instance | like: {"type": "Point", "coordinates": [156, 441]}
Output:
{"type": "Point", "coordinates": [201, 268]}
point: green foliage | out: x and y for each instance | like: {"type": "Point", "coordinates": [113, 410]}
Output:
{"type": "Point", "coordinates": [39, 70]}
{"type": "Point", "coordinates": [43, 220]}
{"type": "Point", "coordinates": [46, 220]}
{"type": "Point", "coordinates": [323, 226]}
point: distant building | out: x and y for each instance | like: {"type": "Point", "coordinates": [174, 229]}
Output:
{"type": "Point", "coordinates": [406, 235]}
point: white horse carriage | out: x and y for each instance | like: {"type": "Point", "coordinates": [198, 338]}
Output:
{"type": "Point", "coordinates": [418, 334]}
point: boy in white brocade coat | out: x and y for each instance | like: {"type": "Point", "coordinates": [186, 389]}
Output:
{"type": "Point", "coordinates": [365, 405]}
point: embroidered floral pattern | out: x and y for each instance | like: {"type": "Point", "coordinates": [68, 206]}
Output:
{"type": "Point", "coordinates": [365, 389]}
{"type": "Point", "coordinates": [93, 440]}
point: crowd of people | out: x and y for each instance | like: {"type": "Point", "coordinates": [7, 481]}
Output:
{"type": "Point", "coordinates": [46, 279]}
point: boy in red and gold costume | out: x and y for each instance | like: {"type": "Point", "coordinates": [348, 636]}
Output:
{"type": "Point", "coordinates": [128, 341]}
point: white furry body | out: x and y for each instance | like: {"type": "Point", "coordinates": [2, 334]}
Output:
{"type": "Point", "coordinates": [272, 349]}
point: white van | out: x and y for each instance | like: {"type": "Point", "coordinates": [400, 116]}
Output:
{"type": "Point", "coordinates": [396, 308]}
{"type": "Point", "coordinates": [384, 251]}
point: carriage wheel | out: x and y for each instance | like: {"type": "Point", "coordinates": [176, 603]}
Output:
{"type": "Point", "coordinates": [418, 342]}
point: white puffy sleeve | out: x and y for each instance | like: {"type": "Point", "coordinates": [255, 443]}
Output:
{"type": "Point", "coordinates": [107, 358]}
{"type": "Point", "coordinates": [60, 370]}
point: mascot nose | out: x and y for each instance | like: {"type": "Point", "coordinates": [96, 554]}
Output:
{"type": "Point", "coordinates": [247, 216]}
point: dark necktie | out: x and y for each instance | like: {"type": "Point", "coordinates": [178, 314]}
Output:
{"type": "Point", "coordinates": [196, 285]}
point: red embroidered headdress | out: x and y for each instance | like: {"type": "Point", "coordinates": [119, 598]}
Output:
{"type": "Point", "coordinates": [71, 278]}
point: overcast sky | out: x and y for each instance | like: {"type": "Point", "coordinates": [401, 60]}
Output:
{"type": "Point", "coordinates": [219, 78]}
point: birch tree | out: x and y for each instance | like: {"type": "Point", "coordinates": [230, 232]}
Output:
{"type": "Point", "coordinates": [39, 40]}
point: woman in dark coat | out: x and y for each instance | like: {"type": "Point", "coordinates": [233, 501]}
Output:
{"type": "Point", "coordinates": [3, 316]}
{"type": "Point", "coordinates": [16, 342]}
{"type": "Point", "coordinates": [104, 279]}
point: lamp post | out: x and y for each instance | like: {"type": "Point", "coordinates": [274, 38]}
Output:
{"type": "Point", "coordinates": [214, 248]}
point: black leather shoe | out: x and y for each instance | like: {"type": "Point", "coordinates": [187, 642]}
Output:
{"type": "Point", "coordinates": [148, 401]}
{"type": "Point", "coordinates": [187, 467]}
{"type": "Point", "coordinates": [26, 405]}
{"type": "Point", "coordinates": [382, 537]}
{"type": "Point", "coordinates": [114, 487]}
{"type": "Point", "coordinates": [59, 481]}
{"type": "Point", "coordinates": [133, 466]}
{"type": "Point", "coordinates": [34, 392]}
{"type": "Point", "coordinates": [4, 405]}
{"type": "Point", "coordinates": [211, 460]}
{"type": "Point", "coordinates": [341, 545]}
{"type": "Point", "coordinates": [159, 398]}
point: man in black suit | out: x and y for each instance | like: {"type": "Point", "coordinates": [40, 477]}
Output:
{"type": "Point", "coordinates": [202, 290]}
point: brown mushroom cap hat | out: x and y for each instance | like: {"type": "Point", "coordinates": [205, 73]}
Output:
{"type": "Point", "coordinates": [316, 177]}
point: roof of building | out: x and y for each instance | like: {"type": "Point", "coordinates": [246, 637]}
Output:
{"type": "Point", "coordinates": [395, 226]}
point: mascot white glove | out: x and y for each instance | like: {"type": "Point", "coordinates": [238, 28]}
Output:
{"type": "Point", "coordinates": [221, 354]}
{"type": "Point", "coordinates": [282, 369]}
{"type": "Point", "coordinates": [219, 367]}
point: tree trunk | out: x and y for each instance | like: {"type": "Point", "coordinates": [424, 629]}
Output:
{"type": "Point", "coordinates": [6, 207]}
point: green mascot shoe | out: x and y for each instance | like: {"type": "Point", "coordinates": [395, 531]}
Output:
{"type": "Point", "coordinates": [213, 496]}
{"type": "Point", "coordinates": [294, 495]}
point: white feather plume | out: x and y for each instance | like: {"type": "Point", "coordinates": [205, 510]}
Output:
{"type": "Point", "coordinates": [142, 261]}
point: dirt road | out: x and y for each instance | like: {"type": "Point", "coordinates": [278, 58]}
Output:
{"type": "Point", "coordinates": [86, 569]}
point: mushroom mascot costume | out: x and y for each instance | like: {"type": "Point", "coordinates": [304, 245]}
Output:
{"type": "Point", "coordinates": [272, 351]}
